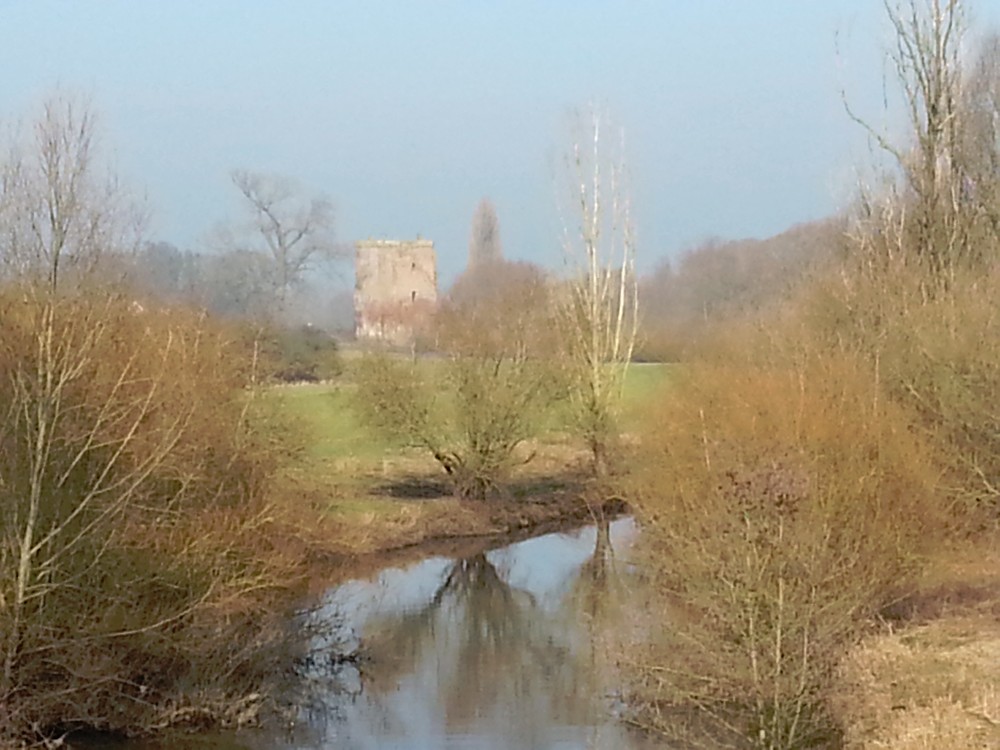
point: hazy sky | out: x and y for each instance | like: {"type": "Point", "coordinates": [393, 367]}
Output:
{"type": "Point", "coordinates": [407, 113]}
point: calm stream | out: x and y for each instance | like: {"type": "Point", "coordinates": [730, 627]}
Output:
{"type": "Point", "coordinates": [497, 650]}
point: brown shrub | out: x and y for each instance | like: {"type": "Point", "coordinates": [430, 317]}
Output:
{"type": "Point", "coordinates": [782, 506]}
{"type": "Point", "coordinates": [936, 354]}
{"type": "Point", "coordinates": [133, 578]}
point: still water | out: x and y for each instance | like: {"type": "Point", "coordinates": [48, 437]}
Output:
{"type": "Point", "coordinates": [495, 650]}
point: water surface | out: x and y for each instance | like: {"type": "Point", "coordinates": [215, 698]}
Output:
{"type": "Point", "coordinates": [495, 650]}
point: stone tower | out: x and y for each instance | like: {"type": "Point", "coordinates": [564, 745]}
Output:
{"type": "Point", "coordinates": [395, 289]}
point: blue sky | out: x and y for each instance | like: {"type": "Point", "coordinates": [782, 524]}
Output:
{"type": "Point", "coordinates": [407, 113]}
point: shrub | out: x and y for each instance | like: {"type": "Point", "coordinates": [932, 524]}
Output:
{"type": "Point", "coordinates": [782, 506]}
{"type": "Point", "coordinates": [304, 354]}
{"type": "Point", "coordinates": [470, 414]}
{"type": "Point", "coordinates": [937, 355]}
{"type": "Point", "coordinates": [487, 393]}
{"type": "Point", "coordinates": [134, 588]}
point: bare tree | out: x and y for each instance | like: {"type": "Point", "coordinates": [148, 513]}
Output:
{"type": "Point", "coordinates": [76, 475]}
{"type": "Point", "coordinates": [293, 231]}
{"type": "Point", "coordinates": [485, 261]}
{"type": "Point", "coordinates": [980, 138]}
{"type": "Point", "coordinates": [484, 242]}
{"type": "Point", "coordinates": [58, 213]}
{"type": "Point", "coordinates": [122, 431]}
{"type": "Point", "coordinates": [926, 248]}
{"type": "Point", "coordinates": [936, 166]}
{"type": "Point", "coordinates": [599, 301]}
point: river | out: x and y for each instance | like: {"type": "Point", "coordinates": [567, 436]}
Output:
{"type": "Point", "coordinates": [503, 648]}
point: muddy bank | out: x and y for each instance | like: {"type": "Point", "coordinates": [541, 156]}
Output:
{"type": "Point", "coordinates": [457, 528]}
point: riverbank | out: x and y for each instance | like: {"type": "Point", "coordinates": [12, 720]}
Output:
{"type": "Point", "coordinates": [405, 511]}
{"type": "Point", "coordinates": [486, 644]}
{"type": "Point", "coordinates": [454, 528]}
{"type": "Point", "coordinates": [366, 497]}
{"type": "Point", "coordinates": [190, 588]}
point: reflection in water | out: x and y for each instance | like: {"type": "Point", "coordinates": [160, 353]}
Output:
{"type": "Point", "coordinates": [595, 587]}
{"type": "Point", "coordinates": [496, 650]}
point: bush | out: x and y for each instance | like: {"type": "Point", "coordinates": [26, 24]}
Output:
{"type": "Point", "coordinates": [137, 585]}
{"type": "Point", "coordinates": [782, 505]}
{"type": "Point", "coordinates": [937, 355]}
{"type": "Point", "coordinates": [301, 355]}
{"type": "Point", "coordinates": [488, 392]}
{"type": "Point", "coordinates": [470, 414]}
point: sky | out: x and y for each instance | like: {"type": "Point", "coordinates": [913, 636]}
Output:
{"type": "Point", "coordinates": [405, 114]}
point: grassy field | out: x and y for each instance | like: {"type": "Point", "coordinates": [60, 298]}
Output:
{"type": "Point", "coordinates": [382, 490]}
{"type": "Point", "coordinates": [642, 383]}
{"type": "Point", "coordinates": [334, 432]}
{"type": "Point", "coordinates": [331, 427]}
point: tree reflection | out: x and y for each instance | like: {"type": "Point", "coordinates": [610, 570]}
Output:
{"type": "Point", "coordinates": [511, 660]}
{"type": "Point", "coordinates": [476, 655]}
{"type": "Point", "coordinates": [481, 655]}
{"type": "Point", "coordinates": [599, 588]}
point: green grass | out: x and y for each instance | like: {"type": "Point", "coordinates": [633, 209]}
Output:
{"type": "Point", "coordinates": [333, 430]}
{"type": "Point", "coordinates": [642, 384]}
{"type": "Point", "coordinates": [332, 427]}
{"type": "Point", "coordinates": [350, 460]}
{"type": "Point", "coordinates": [345, 466]}
{"type": "Point", "coordinates": [344, 462]}
{"type": "Point", "coordinates": [645, 377]}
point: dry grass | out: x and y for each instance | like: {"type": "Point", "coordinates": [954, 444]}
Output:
{"type": "Point", "coordinates": [935, 683]}
{"type": "Point", "coordinates": [935, 687]}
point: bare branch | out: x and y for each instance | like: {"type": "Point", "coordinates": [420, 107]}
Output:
{"type": "Point", "coordinates": [296, 232]}
{"type": "Point", "coordinates": [599, 303]}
